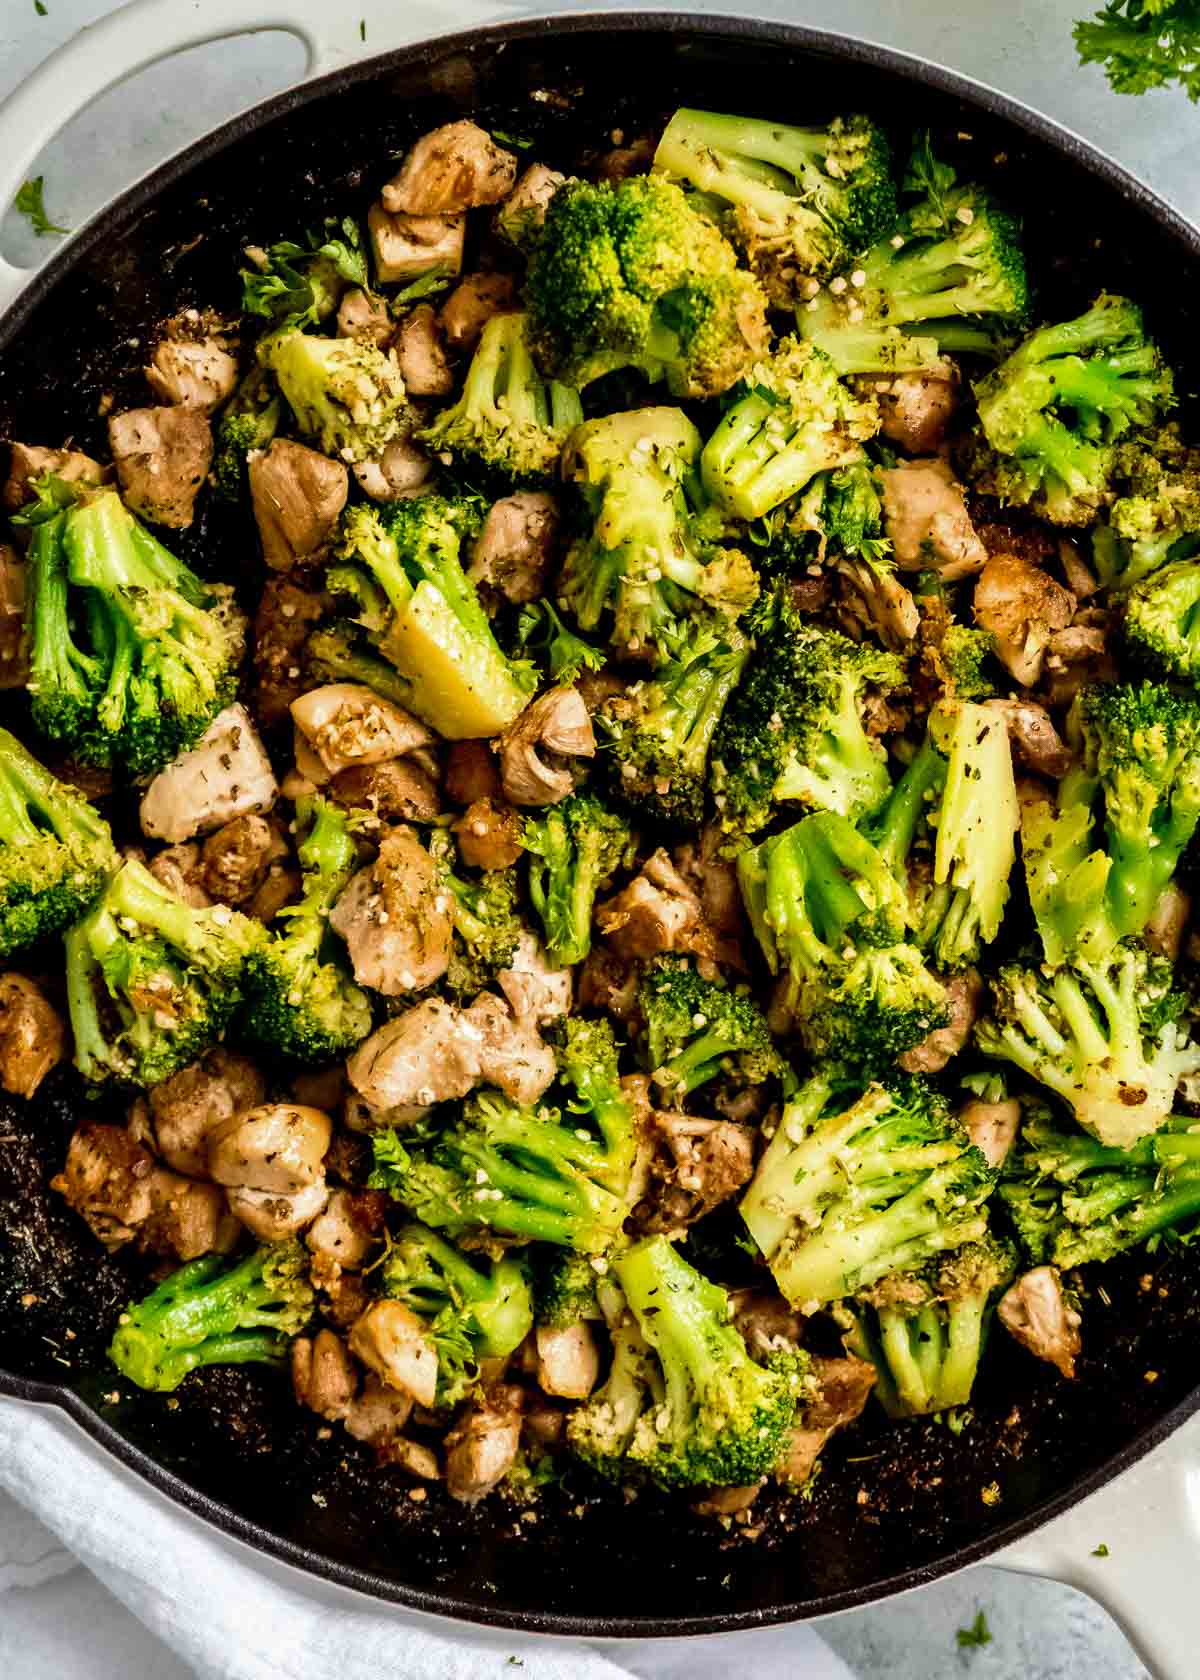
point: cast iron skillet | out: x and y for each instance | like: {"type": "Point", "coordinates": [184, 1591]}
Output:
{"type": "Point", "coordinates": [892, 1507]}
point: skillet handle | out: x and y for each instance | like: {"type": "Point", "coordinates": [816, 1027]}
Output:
{"type": "Point", "coordinates": [142, 32]}
{"type": "Point", "coordinates": [1149, 1521]}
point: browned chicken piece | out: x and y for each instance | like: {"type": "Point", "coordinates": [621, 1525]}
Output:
{"type": "Point", "coordinates": [916, 408]}
{"type": "Point", "coordinates": [321, 1088]}
{"type": "Point", "coordinates": [524, 210]}
{"type": "Point", "coordinates": [14, 640]}
{"type": "Point", "coordinates": [27, 461]}
{"type": "Point", "coordinates": [810, 594]}
{"type": "Point", "coordinates": [481, 1447]}
{"type": "Point", "coordinates": [395, 918]}
{"type": "Point", "coordinates": [193, 373]}
{"type": "Point", "coordinates": [658, 911]}
{"type": "Point", "coordinates": [696, 1164]}
{"type": "Point", "coordinates": [1025, 538]}
{"type": "Point", "coordinates": [415, 1060]}
{"type": "Point", "coordinates": [513, 550]}
{"type": "Point", "coordinates": [422, 358]}
{"type": "Point", "coordinates": [925, 516]}
{"type": "Point", "coordinates": [395, 791]}
{"type": "Point", "coordinates": [992, 1127]}
{"type": "Point", "coordinates": [471, 773]}
{"type": "Point", "coordinates": [235, 860]}
{"type": "Point", "coordinates": [347, 724]}
{"type": "Point", "coordinates": [346, 1232]}
{"type": "Point", "coordinates": [1164, 931]}
{"type": "Point", "coordinates": [278, 1147]}
{"type": "Point", "coordinates": [297, 494]}
{"type": "Point", "coordinates": [964, 995]}
{"type": "Point", "coordinates": [227, 774]}
{"type": "Point", "coordinates": [376, 1418]}
{"type": "Point", "coordinates": [284, 618]}
{"type": "Point", "coordinates": [326, 1379]}
{"type": "Point", "coordinates": [396, 1344]}
{"type": "Point", "coordinates": [323, 1375]}
{"type": "Point", "coordinates": [728, 1502]}
{"type": "Point", "coordinates": [535, 991]}
{"type": "Point", "coordinates": [188, 1219]}
{"type": "Point", "coordinates": [407, 246]}
{"type": "Point", "coordinates": [1035, 1311]}
{"type": "Point", "coordinates": [543, 1423]}
{"type": "Point", "coordinates": [453, 168]}
{"type": "Point", "coordinates": [1036, 743]}
{"type": "Point", "coordinates": [1081, 580]}
{"type": "Point", "coordinates": [489, 835]}
{"type": "Point", "coordinates": [273, 1217]}
{"type": "Point", "coordinates": [553, 727]}
{"type": "Point", "coordinates": [512, 1054]}
{"type": "Point", "coordinates": [608, 983]}
{"type": "Point", "coordinates": [190, 1105]}
{"type": "Point", "coordinates": [114, 1184]}
{"type": "Point", "coordinates": [1022, 606]}
{"type": "Point", "coordinates": [33, 1038]}
{"type": "Point", "coordinates": [1078, 655]}
{"type": "Point", "coordinates": [402, 470]}
{"type": "Point", "coordinates": [713, 879]}
{"type": "Point", "coordinates": [625, 161]}
{"type": "Point", "coordinates": [875, 605]}
{"type": "Point", "coordinates": [178, 869]}
{"type": "Point", "coordinates": [162, 457]}
{"type": "Point", "coordinates": [764, 1321]}
{"type": "Point", "coordinates": [846, 1386]}
{"type": "Point", "coordinates": [366, 317]}
{"type": "Point", "coordinates": [471, 305]}
{"type": "Point", "coordinates": [568, 1360]}
{"type": "Point", "coordinates": [281, 886]}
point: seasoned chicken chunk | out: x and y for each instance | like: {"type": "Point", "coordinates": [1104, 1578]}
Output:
{"type": "Point", "coordinates": [27, 461]}
{"type": "Point", "coordinates": [846, 1386]}
{"type": "Point", "coordinates": [396, 791]}
{"type": "Point", "coordinates": [419, 351]}
{"type": "Point", "coordinates": [916, 408]}
{"type": "Point", "coordinates": [871, 604]}
{"type": "Point", "coordinates": [32, 1035]}
{"type": "Point", "coordinates": [114, 1184]}
{"type": "Point", "coordinates": [234, 862]}
{"type": "Point", "coordinates": [415, 1060]}
{"type": "Point", "coordinates": [227, 774]}
{"type": "Point", "coordinates": [568, 1360]}
{"type": "Point", "coordinates": [347, 724]}
{"type": "Point", "coordinates": [1036, 743]}
{"type": "Point", "coordinates": [323, 1375]}
{"type": "Point", "coordinates": [512, 552]}
{"type": "Point", "coordinates": [471, 305]}
{"type": "Point", "coordinates": [365, 316]}
{"type": "Point", "coordinates": [14, 638]}
{"type": "Point", "coordinates": [471, 773]}
{"type": "Point", "coordinates": [992, 1127]}
{"type": "Point", "coordinates": [554, 726]}
{"type": "Point", "coordinates": [1022, 606]}
{"type": "Point", "coordinates": [193, 373]}
{"type": "Point", "coordinates": [395, 918]}
{"type": "Point", "coordinates": [394, 1343]}
{"type": "Point", "coordinates": [481, 1447]}
{"type": "Point", "coordinates": [402, 470]}
{"type": "Point", "coordinates": [407, 246]}
{"type": "Point", "coordinates": [489, 835]}
{"type": "Point", "coordinates": [657, 911]}
{"type": "Point", "coordinates": [1035, 1311]}
{"type": "Point", "coordinates": [162, 457]}
{"type": "Point", "coordinates": [271, 1216]}
{"type": "Point", "coordinates": [964, 994]}
{"type": "Point", "coordinates": [453, 168]}
{"type": "Point", "coordinates": [535, 991]}
{"type": "Point", "coordinates": [341, 1235]}
{"type": "Point", "coordinates": [188, 1219]}
{"type": "Point", "coordinates": [278, 1147]}
{"type": "Point", "coordinates": [297, 494]}
{"type": "Point", "coordinates": [178, 869]}
{"type": "Point", "coordinates": [695, 1164]}
{"type": "Point", "coordinates": [284, 618]}
{"type": "Point", "coordinates": [512, 1054]}
{"type": "Point", "coordinates": [524, 210]}
{"type": "Point", "coordinates": [190, 1105]}
{"type": "Point", "coordinates": [925, 516]}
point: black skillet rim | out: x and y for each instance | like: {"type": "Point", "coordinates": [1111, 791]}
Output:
{"type": "Point", "coordinates": [994, 103]}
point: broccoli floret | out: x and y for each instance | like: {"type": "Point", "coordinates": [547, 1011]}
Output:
{"type": "Point", "coordinates": [475, 1308]}
{"type": "Point", "coordinates": [300, 283]}
{"type": "Point", "coordinates": [215, 1311]}
{"type": "Point", "coordinates": [248, 421]}
{"type": "Point", "coordinates": [791, 419]}
{"type": "Point", "coordinates": [849, 518]}
{"type": "Point", "coordinates": [56, 851]}
{"type": "Point", "coordinates": [1072, 1200]}
{"type": "Point", "coordinates": [421, 613]}
{"type": "Point", "coordinates": [648, 558]}
{"type": "Point", "coordinates": [630, 276]}
{"type": "Point", "coordinates": [336, 653]}
{"type": "Point", "coordinates": [697, 1029]}
{"type": "Point", "coordinates": [1052, 411]}
{"type": "Point", "coordinates": [793, 729]}
{"type": "Point", "coordinates": [658, 731]}
{"type": "Point", "coordinates": [345, 394]}
{"type": "Point", "coordinates": [152, 981]}
{"type": "Point", "coordinates": [1139, 772]}
{"type": "Point", "coordinates": [565, 1290]}
{"type": "Point", "coordinates": [1162, 624]}
{"type": "Point", "coordinates": [1156, 515]}
{"type": "Point", "coordinates": [854, 1187]}
{"type": "Point", "coordinates": [162, 647]}
{"type": "Point", "coordinates": [684, 1404]}
{"type": "Point", "coordinates": [563, 655]}
{"type": "Point", "coordinates": [1102, 1035]}
{"type": "Point", "coordinates": [574, 849]}
{"type": "Point", "coordinates": [508, 419]}
{"type": "Point", "coordinates": [486, 921]}
{"type": "Point", "coordinates": [924, 1331]}
{"type": "Point", "coordinates": [300, 1000]}
{"type": "Point", "coordinates": [801, 201]}
{"type": "Point", "coordinates": [961, 661]}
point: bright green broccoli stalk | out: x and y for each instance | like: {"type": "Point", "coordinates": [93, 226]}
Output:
{"type": "Point", "coordinates": [794, 728]}
{"type": "Point", "coordinates": [562, 654]}
{"type": "Point", "coordinates": [1162, 622]}
{"type": "Point", "coordinates": [162, 648]}
{"type": "Point", "coordinates": [698, 1029]}
{"type": "Point", "coordinates": [56, 851]}
{"type": "Point", "coordinates": [475, 1308]}
{"type": "Point", "coordinates": [854, 1187]}
{"type": "Point", "coordinates": [346, 395]}
{"type": "Point", "coordinates": [575, 848]}
{"type": "Point", "coordinates": [1156, 515]}
{"type": "Point", "coordinates": [1104, 1036]}
{"type": "Point", "coordinates": [648, 558]}
{"type": "Point", "coordinates": [801, 201]}
{"type": "Point", "coordinates": [485, 917]}
{"type": "Point", "coordinates": [1144, 44]}
{"type": "Point", "coordinates": [299, 283]}
{"type": "Point", "coordinates": [152, 981]}
{"type": "Point", "coordinates": [301, 1001]}
{"type": "Point", "coordinates": [924, 1331]}
{"type": "Point", "coordinates": [215, 1311]}
{"type": "Point", "coordinates": [248, 421]}
{"type": "Point", "coordinates": [630, 276]}
{"type": "Point", "coordinates": [658, 731]}
{"type": "Point", "coordinates": [1051, 413]}
{"type": "Point", "coordinates": [791, 419]}
{"type": "Point", "coordinates": [508, 420]}
{"type": "Point", "coordinates": [684, 1404]}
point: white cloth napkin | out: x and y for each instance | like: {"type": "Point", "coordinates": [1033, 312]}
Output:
{"type": "Point", "coordinates": [229, 1619]}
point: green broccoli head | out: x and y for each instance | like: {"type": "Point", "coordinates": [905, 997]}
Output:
{"type": "Point", "coordinates": [698, 1029]}
{"type": "Point", "coordinates": [565, 1289]}
{"type": "Point", "coordinates": [1162, 625]}
{"type": "Point", "coordinates": [1156, 515]}
{"type": "Point", "coordinates": [56, 851]}
{"type": "Point", "coordinates": [630, 276]}
{"type": "Point", "coordinates": [961, 660]}
{"type": "Point", "coordinates": [215, 1311]}
{"type": "Point", "coordinates": [575, 848]}
{"type": "Point", "coordinates": [485, 916]}
{"type": "Point", "coordinates": [249, 421]}
{"type": "Point", "coordinates": [345, 394]}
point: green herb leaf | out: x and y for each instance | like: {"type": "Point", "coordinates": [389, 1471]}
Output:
{"type": "Point", "coordinates": [1144, 44]}
{"type": "Point", "coordinates": [1101, 1550]}
{"type": "Point", "coordinates": [29, 202]}
{"type": "Point", "coordinates": [977, 1634]}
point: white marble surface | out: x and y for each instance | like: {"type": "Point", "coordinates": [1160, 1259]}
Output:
{"type": "Point", "coordinates": [56, 1622]}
